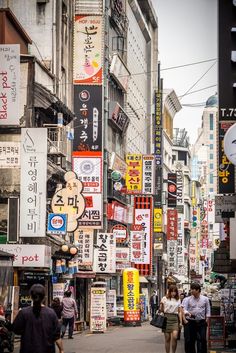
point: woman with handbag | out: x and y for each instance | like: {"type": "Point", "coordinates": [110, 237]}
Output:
{"type": "Point", "coordinates": [171, 307]}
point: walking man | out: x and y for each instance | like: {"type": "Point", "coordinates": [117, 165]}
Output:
{"type": "Point", "coordinates": [69, 313]}
{"type": "Point", "coordinates": [154, 303]}
{"type": "Point", "coordinates": [196, 311]}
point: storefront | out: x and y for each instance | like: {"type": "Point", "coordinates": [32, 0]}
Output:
{"type": "Point", "coordinates": [31, 265]}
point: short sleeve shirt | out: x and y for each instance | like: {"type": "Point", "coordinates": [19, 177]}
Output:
{"type": "Point", "coordinates": [171, 306]}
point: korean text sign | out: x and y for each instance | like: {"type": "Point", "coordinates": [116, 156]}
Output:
{"type": "Point", "coordinates": [172, 224]}
{"type": "Point", "coordinates": [131, 294]}
{"type": "Point", "coordinates": [98, 310]}
{"type": "Point", "coordinates": [105, 253]}
{"type": "Point", "coordinates": [83, 239]}
{"type": "Point", "coordinates": [134, 173]}
{"type": "Point", "coordinates": [9, 84]}
{"type": "Point", "coordinates": [33, 182]}
{"type": "Point", "coordinates": [88, 51]}
{"type": "Point", "coordinates": [143, 217]}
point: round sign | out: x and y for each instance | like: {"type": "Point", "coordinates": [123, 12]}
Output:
{"type": "Point", "coordinates": [172, 188]}
{"type": "Point", "coordinates": [117, 186]}
{"type": "Point", "coordinates": [57, 222]}
{"type": "Point", "coordinates": [230, 144]}
{"type": "Point", "coordinates": [116, 175]}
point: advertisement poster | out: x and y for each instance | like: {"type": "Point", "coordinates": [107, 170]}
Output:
{"type": "Point", "coordinates": [33, 182]}
{"type": "Point", "coordinates": [98, 312]}
{"type": "Point", "coordinates": [143, 217]}
{"type": "Point", "coordinates": [88, 50]}
{"type": "Point", "coordinates": [93, 215]}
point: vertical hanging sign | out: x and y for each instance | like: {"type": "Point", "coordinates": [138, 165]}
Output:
{"type": "Point", "coordinates": [33, 182]}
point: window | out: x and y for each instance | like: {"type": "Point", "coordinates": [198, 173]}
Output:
{"type": "Point", "coordinates": [211, 156]}
{"type": "Point", "coordinates": [211, 146]}
{"type": "Point", "coordinates": [211, 179]}
{"type": "Point", "coordinates": [211, 122]}
{"type": "Point", "coordinates": [211, 165]}
{"type": "Point", "coordinates": [211, 136]}
{"type": "Point", "coordinates": [211, 190]}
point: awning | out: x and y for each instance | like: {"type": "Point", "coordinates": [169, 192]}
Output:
{"type": "Point", "coordinates": [143, 279]}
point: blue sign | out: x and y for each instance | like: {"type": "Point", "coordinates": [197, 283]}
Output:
{"type": "Point", "coordinates": [57, 223]}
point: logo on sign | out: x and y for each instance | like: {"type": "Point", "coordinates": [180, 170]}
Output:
{"type": "Point", "coordinates": [57, 223]}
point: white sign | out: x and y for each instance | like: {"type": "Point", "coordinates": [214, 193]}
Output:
{"type": "Point", "coordinates": [192, 253]}
{"type": "Point", "coordinates": [171, 254]}
{"type": "Point", "coordinates": [148, 174]}
{"type": "Point", "coordinates": [105, 253]}
{"type": "Point", "coordinates": [9, 84]}
{"type": "Point", "coordinates": [180, 240]}
{"type": "Point", "coordinates": [33, 182]}
{"type": "Point", "coordinates": [69, 200]}
{"type": "Point", "coordinates": [111, 303]}
{"type": "Point", "coordinates": [58, 290]}
{"type": "Point", "coordinates": [143, 217]}
{"type": "Point", "coordinates": [122, 254]}
{"type": "Point", "coordinates": [9, 154]}
{"type": "Point", "coordinates": [89, 171]}
{"type": "Point", "coordinates": [83, 239]}
{"type": "Point", "coordinates": [98, 311]}
{"type": "Point", "coordinates": [93, 215]}
{"type": "Point", "coordinates": [137, 246]}
{"type": "Point", "coordinates": [26, 255]}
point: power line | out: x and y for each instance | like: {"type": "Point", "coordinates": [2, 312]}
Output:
{"type": "Point", "coordinates": [198, 80]}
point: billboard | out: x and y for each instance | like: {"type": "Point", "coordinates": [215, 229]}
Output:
{"type": "Point", "coordinates": [83, 239]}
{"type": "Point", "coordinates": [93, 214]}
{"type": "Point", "coordinates": [148, 174]}
{"type": "Point", "coordinates": [33, 182]}
{"type": "Point", "coordinates": [105, 253]}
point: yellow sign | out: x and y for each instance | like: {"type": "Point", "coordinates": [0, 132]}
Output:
{"type": "Point", "coordinates": [157, 220]}
{"type": "Point", "coordinates": [134, 173]}
{"type": "Point", "coordinates": [131, 295]}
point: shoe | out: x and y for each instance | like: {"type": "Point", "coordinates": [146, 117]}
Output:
{"type": "Point", "coordinates": [70, 338]}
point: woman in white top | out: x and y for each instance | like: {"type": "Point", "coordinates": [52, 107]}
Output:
{"type": "Point", "coordinates": [171, 306]}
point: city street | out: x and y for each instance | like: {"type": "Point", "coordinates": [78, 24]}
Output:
{"type": "Point", "coordinates": [118, 339]}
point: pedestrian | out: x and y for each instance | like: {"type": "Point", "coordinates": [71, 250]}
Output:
{"type": "Point", "coordinates": [154, 303]}
{"type": "Point", "coordinates": [57, 306]}
{"type": "Point", "coordinates": [196, 311]}
{"type": "Point", "coordinates": [181, 297]}
{"type": "Point", "coordinates": [171, 307]}
{"type": "Point", "coordinates": [37, 325]}
{"type": "Point", "coordinates": [69, 313]}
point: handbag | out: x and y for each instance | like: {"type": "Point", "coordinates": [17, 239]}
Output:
{"type": "Point", "coordinates": [159, 321]}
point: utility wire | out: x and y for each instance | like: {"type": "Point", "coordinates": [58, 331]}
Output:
{"type": "Point", "coordinates": [197, 81]}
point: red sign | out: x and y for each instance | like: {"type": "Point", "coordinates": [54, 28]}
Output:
{"type": "Point", "coordinates": [117, 212]}
{"type": "Point", "coordinates": [172, 224]}
{"type": "Point", "coordinates": [136, 227]}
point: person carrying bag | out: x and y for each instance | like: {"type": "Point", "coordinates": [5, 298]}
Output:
{"type": "Point", "coordinates": [171, 307]}
{"type": "Point", "coordinates": [159, 320]}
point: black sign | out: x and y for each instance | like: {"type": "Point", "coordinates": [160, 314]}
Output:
{"type": "Point", "coordinates": [157, 198]}
{"type": "Point", "coordinates": [216, 331]}
{"type": "Point", "coordinates": [227, 63]}
{"type": "Point", "coordinates": [172, 190]}
{"type": "Point", "coordinates": [158, 128]}
{"type": "Point", "coordinates": [118, 117]}
{"type": "Point", "coordinates": [89, 116]}
{"type": "Point", "coordinates": [226, 176]}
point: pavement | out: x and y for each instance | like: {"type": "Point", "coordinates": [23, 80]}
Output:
{"type": "Point", "coordinates": [118, 339]}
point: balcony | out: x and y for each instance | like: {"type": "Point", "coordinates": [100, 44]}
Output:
{"type": "Point", "coordinates": [57, 141]}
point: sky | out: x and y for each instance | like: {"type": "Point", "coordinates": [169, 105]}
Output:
{"type": "Point", "coordinates": [187, 33]}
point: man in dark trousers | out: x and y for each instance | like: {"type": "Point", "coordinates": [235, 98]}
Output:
{"type": "Point", "coordinates": [196, 309]}
{"type": "Point", "coordinates": [154, 303]}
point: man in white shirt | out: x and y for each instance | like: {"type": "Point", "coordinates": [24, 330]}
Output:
{"type": "Point", "coordinates": [196, 309]}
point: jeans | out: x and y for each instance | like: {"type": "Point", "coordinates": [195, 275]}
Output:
{"type": "Point", "coordinates": [195, 332]}
{"type": "Point", "coordinates": [65, 322]}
